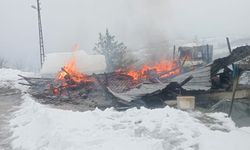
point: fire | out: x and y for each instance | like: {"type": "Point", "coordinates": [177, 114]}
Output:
{"type": "Point", "coordinates": [70, 76]}
{"type": "Point", "coordinates": [162, 70]}
{"type": "Point", "coordinates": [70, 71]}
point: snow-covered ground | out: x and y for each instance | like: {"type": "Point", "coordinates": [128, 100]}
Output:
{"type": "Point", "coordinates": [36, 126]}
{"type": "Point", "coordinates": [9, 78]}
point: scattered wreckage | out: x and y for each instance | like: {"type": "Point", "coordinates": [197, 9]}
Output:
{"type": "Point", "coordinates": [150, 87]}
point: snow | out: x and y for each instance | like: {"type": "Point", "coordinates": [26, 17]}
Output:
{"type": "Point", "coordinates": [245, 78]}
{"type": "Point", "coordinates": [190, 44]}
{"type": "Point", "coordinates": [36, 126]}
{"type": "Point", "coordinates": [236, 139]}
{"type": "Point", "coordinates": [9, 78]}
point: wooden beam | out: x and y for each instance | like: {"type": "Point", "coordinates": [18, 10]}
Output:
{"type": "Point", "coordinates": [235, 84]}
{"type": "Point", "coordinates": [229, 45]}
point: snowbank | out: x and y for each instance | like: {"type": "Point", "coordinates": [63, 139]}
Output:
{"type": "Point", "coordinates": [9, 78]}
{"type": "Point", "coordinates": [85, 62]}
{"type": "Point", "coordinates": [36, 126]}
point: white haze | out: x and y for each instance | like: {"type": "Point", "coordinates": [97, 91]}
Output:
{"type": "Point", "coordinates": [138, 23]}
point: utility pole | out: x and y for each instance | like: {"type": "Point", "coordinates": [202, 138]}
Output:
{"type": "Point", "coordinates": [41, 44]}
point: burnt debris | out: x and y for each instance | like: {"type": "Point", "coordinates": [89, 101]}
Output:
{"type": "Point", "coordinates": [121, 91]}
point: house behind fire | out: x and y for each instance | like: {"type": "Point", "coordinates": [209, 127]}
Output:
{"type": "Point", "coordinates": [86, 63]}
{"type": "Point", "coordinates": [195, 56]}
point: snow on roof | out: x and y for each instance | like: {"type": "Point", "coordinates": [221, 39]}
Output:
{"type": "Point", "coordinates": [85, 62]}
{"type": "Point", "coordinates": [189, 45]}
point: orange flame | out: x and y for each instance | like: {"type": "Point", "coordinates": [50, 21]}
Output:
{"type": "Point", "coordinates": [71, 70]}
{"type": "Point", "coordinates": [162, 67]}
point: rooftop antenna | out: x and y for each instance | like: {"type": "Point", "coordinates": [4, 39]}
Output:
{"type": "Point", "coordinates": [41, 44]}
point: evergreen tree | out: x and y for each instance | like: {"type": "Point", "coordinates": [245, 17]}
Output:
{"type": "Point", "coordinates": [115, 53]}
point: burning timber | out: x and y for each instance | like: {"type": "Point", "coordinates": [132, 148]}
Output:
{"type": "Point", "coordinates": [121, 90]}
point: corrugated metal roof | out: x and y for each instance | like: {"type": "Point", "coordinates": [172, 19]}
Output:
{"type": "Point", "coordinates": [200, 81]}
{"type": "Point", "coordinates": [139, 92]}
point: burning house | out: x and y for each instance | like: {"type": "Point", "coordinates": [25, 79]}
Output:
{"type": "Point", "coordinates": [150, 86]}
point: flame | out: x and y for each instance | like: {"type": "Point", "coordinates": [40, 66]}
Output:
{"type": "Point", "coordinates": [162, 67]}
{"type": "Point", "coordinates": [72, 71]}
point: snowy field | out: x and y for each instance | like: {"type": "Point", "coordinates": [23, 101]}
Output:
{"type": "Point", "coordinates": [42, 127]}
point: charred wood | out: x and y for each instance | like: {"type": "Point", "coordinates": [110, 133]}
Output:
{"type": "Point", "coordinates": [170, 92]}
{"type": "Point", "coordinates": [236, 55]}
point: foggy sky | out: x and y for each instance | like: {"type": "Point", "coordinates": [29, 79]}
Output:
{"type": "Point", "coordinates": [137, 23]}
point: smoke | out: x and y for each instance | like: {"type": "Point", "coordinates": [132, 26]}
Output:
{"type": "Point", "coordinates": [137, 23]}
{"type": "Point", "coordinates": [149, 22]}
